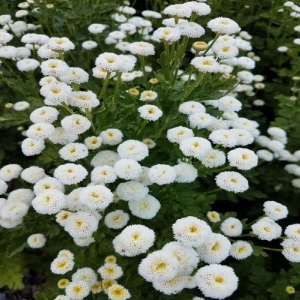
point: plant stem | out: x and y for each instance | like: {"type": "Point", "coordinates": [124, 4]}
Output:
{"type": "Point", "coordinates": [142, 127]}
{"type": "Point", "coordinates": [212, 191]}
{"type": "Point", "coordinates": [103, 91]}
{"type": "Point", "coordinates": [117, 86]}
{"type": "Point", "coordinates": [90, 117]}
{"type": "Point", "coordinates": [142, 62]}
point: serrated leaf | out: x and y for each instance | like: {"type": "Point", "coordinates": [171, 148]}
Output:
{"type": "Point", "coordinates": [12, 272]}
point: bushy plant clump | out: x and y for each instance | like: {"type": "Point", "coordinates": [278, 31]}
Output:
{"type": "Point", "coordinates": [135, 126]}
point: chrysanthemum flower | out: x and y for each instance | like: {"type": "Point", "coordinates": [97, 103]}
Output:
{"type": "Point", "coordinates": [116, 219]}
{"type": "Point", "coordinates": [216, 281]}
{"type": "Point", "coordinates": [191, 231]}
{"type": "Point", "coordinates": [241, 250]}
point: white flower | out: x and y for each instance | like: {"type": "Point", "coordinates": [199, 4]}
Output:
{"type": "Point", "coordinates": [13, 210]}
{"type": "Point", "coordinates": [137, 239]}
{"type": "Point", "coordinates": [70, 173]}
{"type": "Point", "coordinates": [167, 34]}
{"type": "Point", "coordinates": [141, 48]}
{"type": "Point", "coordinates": [223, 25]}
{"type": "Point", "coordinates": [62, 136]}
{"type": "Point", "coordinates": [214, 159]}
{"type": "Point", "coordinates": [158, 266]}
{"type": "Point", "coordinates": [150, 112]}
{"type": "Point", "coordinates": [20, 195]}
{"type": "Point", "coordinates": [27, 64]}
{"type": "Point", "coordinates": [48, 183]}
{"type": "Point", "coordinates": [3, 187]}
{"type": "Point", "coordinates": [201, 9]}
{"type": "Point", "coordinates": [195, 146]}
{"type": "Point", "coordinates": [266, 229]}
{"type": "Point", "coordinates": [146, 208]}
{"type": "Point", "coordinates": [83, 99]}
{"type": "Point", "coordinates": [246, 62]}
{"type": "Point", "coordinates": [224, 137]}
{"type": "Point", "coordinates": [32, 147]}
{"type": "Point", "coordinates": [205, 64]}
{"type": "Point", "coordinates": [111, 136]}
{"type": "Point", "coordinates": [61, 265]}
{"type": "Point", "coordinates": [116, 219]}
{"type": "Point", "coordinates": [96, 28]}
{"type": "Point", "coordinates": [110, 271]}
{"type": "Point", "coordinates": [9, 172]}
{"type": "Point", "coordinates": [265, 155]}
{"type": "Point", "coordinates": [162, 174]}
{"type": "Point", "coordinates": [214, 249]}
{"type": "Point", "coordinates": [148, 95]}
{"type": "Point", "coordinates": [40, 131]}
{"type": "Point", "coordinates": [293, 232]}
{"type": "Point", "coordinates": [275, 146]}
{"type": "Point", "coordinates": [96, 197]}
{"type": "Point", "coordinates": [77, 290]}
{"type": "Point", "coordinates": [244, 137]}
{"type": "Point", "coordinates": [242, 158]}
{"type": "Point", "coordinates": [104, 174]}
{"type": "Point", "coordinates": [190, 29]}
{"type": "Point", "coordinates": [49, 202]}
{"type": "Point", "coordinates": [229, 104]}
{"type": "Point", "coordinates": [213, 216]}
{"type": "Point", "coordinates": [75, 124]}
{"type": "Point", "coordinates": [232, 227]}
{"type": "Point", "coordinates": [44, 114]}
{"type": "Point", "coordinates": [132, 191]}
{"type": "Point", "coordinates": [133, 149]}
{"type": "Point", "coordinates": [93, 142]}
{"type": "Point", "coordinates": [275, 210]}
{"type": "Point", "coordinates": [73, 152]}
{"type": "Point", "coordinates": [110, 62]}
{"type": "Point", "coordinates": [87, 275]}
{"type": "Point", "coordinates": [201, 120]}
{"type": "Point", "coordinates": [178, 10]}
{"type": "Point", "coordinates": [105, 157]}
{"type": "Point", "coordinates": [186, 256]}
{"type": "Point", "coordinates": [216, 281]}
{"type": "Point", "coordinates": [177, 134]}
{"type": "Point", "coordinates": [232, 182]}
{"type": "Point", "coordinates": [191, 231]}
{"type": "Point", "coordinates": [241, 250]}
{"type": "Point", "coordinates": [56, 92]}
{"type": "Point", "coordinates": [60, 44]}
{"type": "Point", "coordinates": [291, 250]}
{"type": "Point", "coordinates": [89, 45]}
{"type": "Point", "coordinates": [118, 292]}
{"type": "Point", "coordinates": [81, 224]}
{"type": "Point", "coordinates": [45, 52]}
{"type": "Point", "coordinates": [54, 67]}
{"type": "Point", "coordinates": [185, 173]}
{"type": "Point", "coordinates": [37, 240]}
{"type": "Point", "coordinates": [128, 169]}
{"type": "Point", "coordinates": [173, 286]}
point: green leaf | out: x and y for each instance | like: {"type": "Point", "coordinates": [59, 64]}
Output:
{"type": "Point", "coordinates": [12, 272]}
{"type": "Point", "coordinates": [40, 296]}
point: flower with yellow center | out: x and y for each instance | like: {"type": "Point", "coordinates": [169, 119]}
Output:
{"type": "Point", "coordinates": [133, 92]}
{"type": "Point", "coordinates": [111, 259]}
{"type": "Point", "coordinates": [118, 292]}
{"type": "Point", "coordinates": [290, 290]}
{"type": "Point", "coordinates": [213, 216]}
{"type": "Point", "coordinates": [63, 283]}
{"type": "Point", "coordinates": [96, 288]}
{"type": "Point", "coordinates": [107, 283]}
